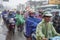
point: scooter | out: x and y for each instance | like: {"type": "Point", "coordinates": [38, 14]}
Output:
{"type": "Point", "coordinates": [20, 28]}
{"type": "Point", "coordinates": [12, 25]}
{"type": "Point", "coordinates": [54, 38]}
{"type": "Point", "coordinates": [34, 36]}
{"type": "Point", "coordinates": [5, 17]}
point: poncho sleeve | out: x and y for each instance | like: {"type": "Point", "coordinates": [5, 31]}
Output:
{"type": "Point", "coordinates": [39, 34]}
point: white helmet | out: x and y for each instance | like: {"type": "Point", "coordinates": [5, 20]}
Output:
{"type": "Point", "coordinates": [47, 14]}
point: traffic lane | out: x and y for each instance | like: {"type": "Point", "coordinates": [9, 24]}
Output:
{"type": "Point", "coordinates": [8, 36]}
{"type": "Point", "coordinates": [16, 36]}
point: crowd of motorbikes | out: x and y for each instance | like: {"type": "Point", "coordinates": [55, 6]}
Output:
{"type": "Point", "coordinates": [10, 21]}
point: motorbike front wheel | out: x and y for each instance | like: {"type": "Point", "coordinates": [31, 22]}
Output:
{"type": "Point", "coordinates": [12, 28]}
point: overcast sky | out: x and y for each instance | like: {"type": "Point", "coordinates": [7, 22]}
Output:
{"type": "Point", "coordinates": [13, 3]}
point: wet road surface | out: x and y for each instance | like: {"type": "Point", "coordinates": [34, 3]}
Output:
{"type": "Point", "coordinates": [9, 35]}
{"type": "Point", "coordinates": [16, 36]}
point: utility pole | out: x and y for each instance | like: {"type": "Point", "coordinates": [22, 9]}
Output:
{"type": "Point", "coordinates": [30, 3]}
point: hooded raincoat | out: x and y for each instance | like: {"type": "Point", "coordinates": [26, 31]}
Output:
{"type": "Point", "coordinates": [20, 19]}
{"type": "Point", "coordinates": [45, 30]}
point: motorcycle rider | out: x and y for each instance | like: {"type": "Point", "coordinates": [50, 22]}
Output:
{"type": "Point", "coordinates": [11, 21]}
{"type": "Point", "coordinates": [56, 22]}
{"type": "Point", "coordinates": [19, 21]}
{"type": "Point", "coordinates": [45, 28]}
{"type": "Point", "coordinates": [31, 23]}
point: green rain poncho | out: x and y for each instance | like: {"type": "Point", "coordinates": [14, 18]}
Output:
{"type": "Point", "coordinates": [20, 19]}
{"type": "Point", "coordinates": [45, 30]}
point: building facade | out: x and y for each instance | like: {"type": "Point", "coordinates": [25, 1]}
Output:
{"type": "Point", "coordinates": [54, 1]}
{"type": "Point", "coordinates": [20, 7]}
{"type": "Point", "coordinates": [35, 4]}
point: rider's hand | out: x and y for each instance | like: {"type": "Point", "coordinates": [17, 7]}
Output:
{"type": "Point", "coordinates": [44, 39]}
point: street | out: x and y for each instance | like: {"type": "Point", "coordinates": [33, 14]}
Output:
{"type": "Point", "coordinates": [29, 19]}
{"type": "Point", "coordinates": [8, 35]}
{"type": "Point", "coordinates": [17, 36]}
